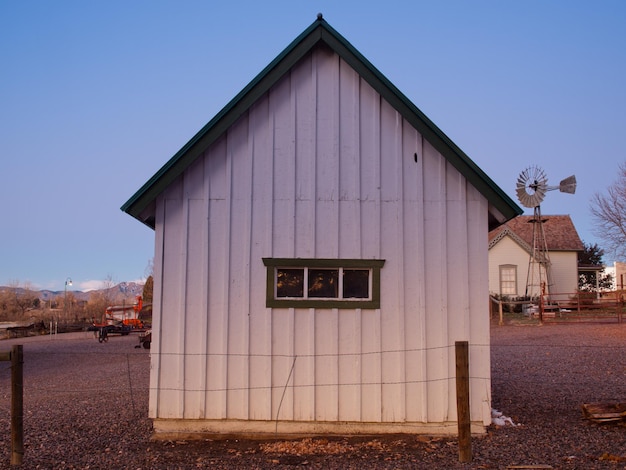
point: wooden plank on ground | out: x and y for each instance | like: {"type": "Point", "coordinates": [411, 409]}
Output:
{"type": "Point", "coordinates": [605, 412]}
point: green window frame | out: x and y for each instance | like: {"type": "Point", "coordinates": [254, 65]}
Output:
{"type": "Point", "coordinates": [323, 283]}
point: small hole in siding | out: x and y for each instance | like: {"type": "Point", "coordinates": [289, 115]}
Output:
{"type": "Point", "coordinates": [415, 157]}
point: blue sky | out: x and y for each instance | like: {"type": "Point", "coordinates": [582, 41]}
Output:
{"type": "Point", "coordinates": [96, 96]}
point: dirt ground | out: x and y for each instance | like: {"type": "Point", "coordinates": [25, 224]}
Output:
{"type": "Point", "coordinates": [86, 408]}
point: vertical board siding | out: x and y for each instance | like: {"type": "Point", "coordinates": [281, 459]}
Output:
{"type": "Point", "coordinates": [348, 166]}
{"type": "Point", "coordinates": [435, 260]}
{"type": "Point", "coordinates": [326, 377]}
{"type": "Point", "coordinates": [370, 209]}
{"type": "Point", "coordinates": [172, 360]}
{"type": "Point", "coordinates": [194, 278]}
{"type": "Point", "coordinates": [281, 154]}
{"type": "Point", "coordinates": [304, 369]}
{"type": "Point", "coordinates": [240, 156]}
{"type": "Point", "coordinates": [283, 362]}
{"type": "Point", "coordinates": [413, 274]}
{"type": "Point", "coordinates": [304, 80]}
{"type": "Point", "coordinates": [326, 227]}
{"type": "Point", "coordinates": [478, 283]}
{"type": "Point", "coordinates": [154, 410]}
{"type": "Point", "coordinates": [458, 271]}
{"type": "Point", "coordinates": [321, 166]}
{"type": "Point", "coordinates": [195, 318]}
{"type": "Point", "coordinates": [217, 174]}
{"type": "Point", "coordinates": [260, 320]}
{"type": "Point", "coordinates": [349, 364]}
{"type": "Point", "coordinates": [391, 217]}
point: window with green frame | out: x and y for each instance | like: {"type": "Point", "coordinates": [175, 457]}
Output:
{"type": "Point", "coordinates": [323, 283]}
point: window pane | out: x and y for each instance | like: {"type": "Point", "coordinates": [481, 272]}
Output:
{"type": "Point", "coordinates": [324, 283]}
{"type": "Point", "coordinates": [508, 281]}
{"type": "Point", "coordinates": [356, 283]}
{"type": "Point", "coordinates": [289, 282]}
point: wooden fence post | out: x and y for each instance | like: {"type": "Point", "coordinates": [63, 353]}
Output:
{"type": "Point", "coordinates": [620, 306]}
{"type": "Point", "coordinates": [463, 401]}
{"type": "Point", "coordinates": [17, 405]}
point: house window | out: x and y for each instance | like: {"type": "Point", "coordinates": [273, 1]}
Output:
{"type": "Point", "coordinates": [323, 283]}
{"type": "Point", "coordinates": [508, 279]}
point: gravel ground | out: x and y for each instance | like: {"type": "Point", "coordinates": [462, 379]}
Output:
{"type": "Point", "coordinates": [85, 407]}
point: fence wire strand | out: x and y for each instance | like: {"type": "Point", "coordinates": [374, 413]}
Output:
{"type": "Point", "coordinates": [138, 360]}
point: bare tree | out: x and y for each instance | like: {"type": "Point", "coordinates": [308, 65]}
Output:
{"type": "Point", "coordinates": [6, 304]}
{"type": "Point", "coordinates": [24, 300]}
{"type": "Point", "coordinates": [107, 289]}
{"type": "Point", "coordinates": [96, 306]}
{"type": "Point", "coordinates": [149, 271]}
{"type": "Point", "coordinates": [609, 213]}
{"type": "Point", "coordinates": [101, 299]}
{"type": "Point", "coordinates": [16, 300]}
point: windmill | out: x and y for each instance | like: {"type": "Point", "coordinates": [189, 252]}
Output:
{"type": "Point", "coordinates": [532, 186]}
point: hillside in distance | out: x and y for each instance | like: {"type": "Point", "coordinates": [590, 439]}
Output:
{"type": "Point", "coordinates": [119, 292]}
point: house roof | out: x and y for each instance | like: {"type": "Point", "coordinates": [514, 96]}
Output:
{"type": "Point", "coordinates": [559, 231]}
{"type": "Point", "coordinates": [142, 204]}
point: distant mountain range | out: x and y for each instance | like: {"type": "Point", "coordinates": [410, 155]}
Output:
{"type": "Point", "coordinates": [124, 290]}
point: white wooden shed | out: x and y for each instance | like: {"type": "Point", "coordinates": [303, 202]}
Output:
{"type": "Point", "coordinates": [320, 245]}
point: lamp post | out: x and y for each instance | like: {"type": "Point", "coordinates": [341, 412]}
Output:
{"type": "Point", "coordinates": [68, 282]}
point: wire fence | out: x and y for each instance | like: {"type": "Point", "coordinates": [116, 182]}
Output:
{"type": "Point", "coordinates": [117, 375]}
{"type": "Point", "coordinates": [86, 401]}
{"type": "Point", "coordinates": [562, 307]}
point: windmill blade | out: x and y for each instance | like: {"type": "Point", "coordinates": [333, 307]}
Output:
{"type": "Point", "coordinates": [532, 184]}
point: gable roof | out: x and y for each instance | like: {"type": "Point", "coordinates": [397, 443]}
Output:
{"type": "Point", "coordinates": [559, 230]}
{"type": "Point", "coordinates": [142, 204]}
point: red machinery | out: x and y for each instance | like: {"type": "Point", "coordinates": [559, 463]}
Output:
{"type": "Point", "coordinates": [120, 319]}
{"type": "Point", "coordinates": [127, 314]}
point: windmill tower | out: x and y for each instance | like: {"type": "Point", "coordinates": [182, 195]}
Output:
{"type": "Point", "coordinates": [532, 186]}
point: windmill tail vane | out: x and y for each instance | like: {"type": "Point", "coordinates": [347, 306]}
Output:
{"type": "Point", "coordinates": [568, 185]}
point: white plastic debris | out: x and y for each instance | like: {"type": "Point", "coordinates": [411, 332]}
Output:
{"type": "Point", "coordinates": [499, 419]}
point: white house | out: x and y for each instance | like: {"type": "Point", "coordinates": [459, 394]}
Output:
{"type": "Point", "coordinates": [320, 245]}
{"type": "Point", "coordinates": [510, 266]}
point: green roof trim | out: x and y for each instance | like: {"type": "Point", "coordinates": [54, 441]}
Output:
{"type": "Point", "coordinates": [319, 31]}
